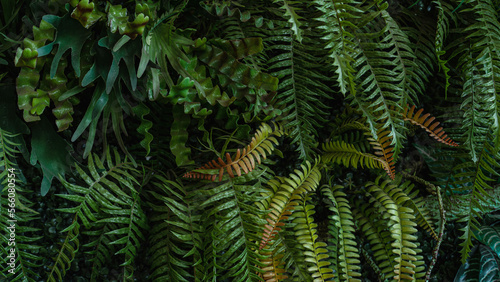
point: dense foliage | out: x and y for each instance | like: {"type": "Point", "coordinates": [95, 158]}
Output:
{"type": "Point", "coordinates": [250, 140]}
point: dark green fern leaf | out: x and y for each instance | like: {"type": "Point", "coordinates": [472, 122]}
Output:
{"type": "Point", "coordinates": [18, 241]}
{"type": "Point", "coordinates": [67, 253]}
{"type": "Point", "coordinates": [110, 197]}
{"type": "Point", "coordinates": [478, 62]}
{"type": "Point", "coordinates": [176, 233]}
{"type": "Point", "coordinates": [232, 228]}
{"type": "Point", "coordinates": [481, 175]}
{"type": "Point", "coordinates": [303, 88]}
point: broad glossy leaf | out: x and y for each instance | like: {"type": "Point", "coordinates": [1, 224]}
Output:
{"type": "Point", "coordinates": [70, 34]}
{"type": "Point", "coordinates": [52, 153]}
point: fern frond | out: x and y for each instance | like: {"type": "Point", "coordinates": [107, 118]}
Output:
{"type": "Point", "coordinates": [176, 251]}
{"type": "Point", "coordinates": [233, 228]}
{"type": "Point", "coordinates": [355, 138]}
{"type": "Point", "coordinates": [21, 264]}
{"type": "Point", "coordinates": [244, 160]}
{"type": "Point", "coordinates": [294, 18]}
{"type": "Point", "coordinates": [283, 202]}
{"type": "Point", "coordinates": [420, 32]}
{"type": "Point", "coordinates": [382, 147]}
{"type": "Point", "coordinates": [480, 174]}
{"type": "Point", "coordinates": [67, 253]}
{"type": "Point", "coordinates": [418, 205]}
{"type": "Point", "coordinates": [478, 62]}
{"type": "Point", "coordinates": [383, 83]}
{"type": "Point", "coordinates": [337, 23]}
{"type": "Point", "coordinates": [316, 254]}
{"type": "Point", "coordinates": [426, 122]}
{"type": "Point", "coordinates": [274, 268]}
{"type": "Point", "coordinates": [390, 199]}
{"type": "Point", "coordinates": [304, 85]}
{"type": "Point", "coordinates": [445, 14]}
{"type": "Point", "coordinates": [109, 197]}
{"type": "Point", "coordinates": [378, 236]}
{"type": "Point", "coordinates": [348, 155]}
{"type": "Point", "coordinates": [345, 252]}
{"type": "Point", "coordinates": [101, 250]}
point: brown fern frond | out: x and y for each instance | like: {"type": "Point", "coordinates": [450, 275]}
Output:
{"type": "Point", "coordinates": [275, 221]}
{"type": "Point", "coordinates": [244, 160]}
{"type": "Point", "coordinates": [426, 122]}
{"type": "Point", "coordinates": [383, 148]}
{"type": "Point", "coordinates": [200, 175]}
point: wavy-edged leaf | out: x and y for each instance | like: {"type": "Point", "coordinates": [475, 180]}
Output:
{"type": "Point", "coordinates": [142, 110]}
{"type": "Point", "coordinates": [180, 136]}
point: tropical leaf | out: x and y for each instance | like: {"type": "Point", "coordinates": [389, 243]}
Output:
{"type": "Point", "coordinates": [478, 58]}
{"type": "Point", "coordinates": [418, 205]}
{"type": "Point", "coordinates": [304, 89]}
{"type": "Point", "coordinates": [102, 201]}
{"type": "Point", "coordinates": [233, 227]}
{"type": "Point", "coordinates": [378, 237]}
{"type": "Point", "coordinates": [70, 35]}
{"type": "Point", "coordinates": [480, 175]}
{"type": "Point", "coordinates": [489, 236]}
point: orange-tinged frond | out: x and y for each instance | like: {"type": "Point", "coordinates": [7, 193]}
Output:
{"type": "Point", "coordinates": [426, 122]}
{"type": "Point", "coordinates": [383, 148]}
{"type": "Point", "coordinates": [245, 159]}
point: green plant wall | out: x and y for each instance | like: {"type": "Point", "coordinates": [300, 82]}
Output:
{"type": "Point", "coordinates": [249, 140]}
